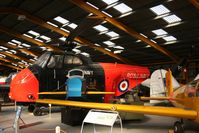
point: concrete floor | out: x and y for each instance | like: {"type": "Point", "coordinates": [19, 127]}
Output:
{"type": "Point", "coordinates": [47, 124]}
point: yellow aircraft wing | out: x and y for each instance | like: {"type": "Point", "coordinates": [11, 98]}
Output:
{"type": "Point", "coordinates": [155, 98]}
{"type": "Point", "coordinates": [162, 111]}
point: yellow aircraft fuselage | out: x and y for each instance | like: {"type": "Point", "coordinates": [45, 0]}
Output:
{"type": "Point", "coordinates": [186, 97]}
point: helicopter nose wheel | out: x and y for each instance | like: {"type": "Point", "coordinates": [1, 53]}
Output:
{"type": "Point", "coordinates": [31, 108]}
{"type": "Point", "coordinates": [179, 127]}
{"type": "Point", "coordinates": [37, 111]}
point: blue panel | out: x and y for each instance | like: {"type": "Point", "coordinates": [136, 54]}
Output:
{"type": "Point", "coordinates": [74, 87]}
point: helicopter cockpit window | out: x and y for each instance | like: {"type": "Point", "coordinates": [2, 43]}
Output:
{"type": "Point", "coordinates": [51, 63]}
{"type": "Point", "coordinates": [76, 60]}
{"type": "Point", "coordinates": [69, 59]}
{"type": "Point", "coordinates": [42, 60]}
{"type": "Point", "coordinates": [55, 61]}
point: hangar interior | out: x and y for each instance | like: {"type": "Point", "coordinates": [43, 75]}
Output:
{"type": "Point", "coordinates": [151, 33]}
{"type": "Point", "coordinates": [145, 33]}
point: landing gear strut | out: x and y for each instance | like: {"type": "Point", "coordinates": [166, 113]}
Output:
{"type": "Point", "coordinates": [179, 126]}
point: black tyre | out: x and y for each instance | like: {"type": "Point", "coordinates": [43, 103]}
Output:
{"type": "Point", "coordinates": [37, 112]}
{"type": "Point", "coordinates": [178, 127]}
{"type": "Point", "coordinates": [31, 108]}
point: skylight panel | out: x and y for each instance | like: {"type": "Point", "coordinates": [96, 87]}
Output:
{"type": "Point", "coordinates": [3, 47]}
{"type": "Point", "coordinates": [38, 40]}
{"type": "Point", "coordinates": [27, 35]}
{"type": "Point", "coordinates": [20, 46]}
{"type": "Point", "coordinates": [97, 44]}
{"type": "Point", "coordinates": [2, 55]}
{"type": "Point", "coordinates": [117, 51]}
{"type": "Point", "coordinates": [125, 14]}
{"type": "Point", "coordinates": [33, 33]}
{"type": "Point", "coordinates": [21, 66]}
{"type": "Point", "coordinates": [119, 47]}
{"type": "Point", "coordinates": [24, 61]}
{"type": "Point", "coordinates": [11, 43]}
{"type": "Point", "coordinates": [9, 52]}
{"type": "Point", "coordinates": [122, 8]}
{"type": "Point", "coordinates": [159, 32]}
{"type": "Point", "coordinates": [25, 45]}
{"type": "Point", "coordinates": [100, 28]}
{"type": "Point", "coordinates": [61, 20]}
{"type": "Point", "coordinates": [107, 49]}
{"type": "Point", "coordinates": [72, 25]}
{"type": "Point", "coordinates": [13, 51]}
{"type": "Point", "coordinates": [50, 23]}
{"type": "Point", "coordinates": [107, 13]}
{"type": "Point", "coordinates": [159, 10]}
{"type": "Point", "coordinates": [62, 38]}
{"type": "Point", "coordinates": [109, 2]}
{"type": "Point", "coordinates": [143, 35]}
{"type": "Point", "coordinates": [109, 43]}
{"type": "Point", "coordinates": [45, 38]}
{"type": "Point", "coordinates": [169, 38]}
{"type": "Point", "coordinates": [92, 5]}
{"type": "Point", "coordinates": [14, 64]}
{"type": "Point", "coordinates": [112, 34]}
{"type": "Point", "coordinates": [138, 41]}
{"type": "Point", "coordinates": [148, 46]}
{"type": "Point", "coordinates": [32, 60]}
{"type": "Point", "coordinates": [153, 41]}
{"type": "Point", "coordinates": [65, 30]}
{"type": "Point", "coordinates": [172, 19]}
{"type": "Point", "coordinates": [16, 41]}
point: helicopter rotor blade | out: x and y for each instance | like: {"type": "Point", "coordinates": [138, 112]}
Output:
{"type": "Point", "coordinates": [87, 23]}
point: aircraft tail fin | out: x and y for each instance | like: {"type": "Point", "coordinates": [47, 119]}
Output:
{"type": "Point", "coordinates": [169, 83]}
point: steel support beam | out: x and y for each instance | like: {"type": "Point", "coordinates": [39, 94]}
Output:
{"type": "Point", "coordinates": [14, 67]}
{"type": "Point", "coordinates": [18, 35]}
{"type": "Point", "coordinates": [42, 23]}
{"type": "Point", "coordinates": [4, 43]}
{"type": "Point", "coordinates": [11, 61]}
{"type": "Point", "coordinates": [17, 57]}
{"type": "Point", "coordinates": [195, 3]}
{"type": "Point", "coordinates": [82, 4]}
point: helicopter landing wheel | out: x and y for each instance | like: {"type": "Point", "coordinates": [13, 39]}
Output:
{"type": "Point", "coordinates": [31, 108]}
{"type": "Point", "coordinates": [178, 127]}
{"type": "Point", "coordinates": [37, 112]}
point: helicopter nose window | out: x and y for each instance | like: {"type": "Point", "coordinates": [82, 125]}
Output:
{"type": "Point", "coordinates": [42, 60]}
{"type": "Point", "coordinates": [51, 63]}
{"type": "Point", "coordinates": [55, 61]}
{"type": "Point", "coordinates": [72, 60]}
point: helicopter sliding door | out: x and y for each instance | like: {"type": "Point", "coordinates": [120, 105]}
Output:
{"type": "Point", "coordinates": [54, 75]}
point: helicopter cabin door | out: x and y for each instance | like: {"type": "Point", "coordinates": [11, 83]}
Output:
{"type": "Point", "coordinates": [55, 73]}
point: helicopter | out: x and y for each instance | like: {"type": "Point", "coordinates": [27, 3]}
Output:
{"type": "Point", "coordinates": [49, 73]}
{"type": "Point", "coordinates": [48, 76]}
